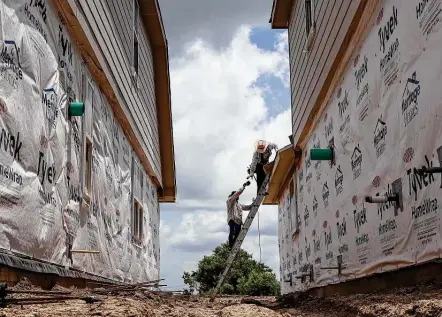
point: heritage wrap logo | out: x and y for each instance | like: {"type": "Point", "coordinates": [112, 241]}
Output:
{"type": "Point", "coordinates": [356, 162]}
{"type": "Point", "coordinates": [380, 133]}
{"type": "Point", "coordinates": [329, 128]}
{"type": "Point", "coordinates": [49, 100]}
{"type": "Point", "coordinates": [11, 70]}
{"type": "Point", "coordinates": [316, 242]}
{"type": "Point", "coordinates": [315, 207]}
{"type": "Point", "coordinates": [109, 173]}
{"type": "Point", "coordinates": [301, 185]}
{"type": "Point", "coordinates": [308, 250]}
{"type": "Point", "coordinates": [317, 165]}
{"type": "Point", "coordinates": [339, 179]}
{"type": "Point", "coordinates": [308, 171]}
{"type": "Point", "coordinates": [306, 216]}
{"type": "Point", "coordinates": [300, 256]}
{"type": "Point", "coordinates": [428, 16]}
{"type": "Point", "coordinates": [410, 99]}
{"type": "Point", "coordinates": [95, 161]}
{"type": "Point", "coordinates": [325, 194]}
{"type": "Point", "coordinates": [420, 7]}
{"type": "Point", "coordinates": [126, 153]}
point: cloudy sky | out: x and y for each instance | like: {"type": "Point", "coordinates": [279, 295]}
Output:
{"type": "Point", "coordinates": [229, 84]}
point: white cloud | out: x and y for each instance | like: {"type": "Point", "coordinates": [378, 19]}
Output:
{"type": "Point", "coordinates": [218, 113]}
{"type": "Point", "coordinates": [214, 20]}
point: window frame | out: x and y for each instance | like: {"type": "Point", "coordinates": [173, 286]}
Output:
{"type": "Point", "coordinates": [137, 221]}
{"type": "Point", "coordinates": [88, 143]}
{"type": "Point", "coordinates": [88, 148]}
{"type": "Point", "coordinates": [135, 56]}
{"type": "Point", "coordinates": [137, 208]}
{"type": "Point", "coordinates": [309, 18]}
{"type": "Point", "coordinates": [294, 206]}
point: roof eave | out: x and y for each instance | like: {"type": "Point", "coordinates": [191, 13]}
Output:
{"type": "Point", "coordinates": [281, 12]}
{"type": "Point", "coordinates": [151, 17]}
{"type": "Point", "coordinates": [281, 171]}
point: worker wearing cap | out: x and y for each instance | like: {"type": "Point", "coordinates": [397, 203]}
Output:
{"type": "Point", "coordinates": [263, 151]}
{"type": "Point", "coordinates": [234, 213]}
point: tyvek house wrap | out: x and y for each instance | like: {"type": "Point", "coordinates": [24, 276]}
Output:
{"type": "Point", "coordinates": [41, 154]}
{"type": "Point", "coordinates": [384, 120]}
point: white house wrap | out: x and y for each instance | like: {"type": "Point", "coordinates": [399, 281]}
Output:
{"type": "Point", "coordinates": [41, 152]}
{"type": "Point", "coordinates": [385, 122]}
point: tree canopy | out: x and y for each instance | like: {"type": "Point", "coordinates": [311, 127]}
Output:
{"type": "Point", "coordinates": [246, 277]}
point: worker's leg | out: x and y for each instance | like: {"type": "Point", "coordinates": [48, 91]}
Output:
{"type": "Point", "coordinates": [237, 231]}
{"type": "Point", "coordinates": [232, 233]}
{"type": "Point", "coordinates": [260, 176]}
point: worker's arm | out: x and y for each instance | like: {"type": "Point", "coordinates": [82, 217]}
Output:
{"type": "Point", "coordinates": [237, 193]}
{"type": "Point", "coordinates": [232, 199]}
{"type": "Point", "coordinates": [247, 207]}
{"type": "Point", "coordinates": [255, 160]}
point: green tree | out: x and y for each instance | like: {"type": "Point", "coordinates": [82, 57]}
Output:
{"type": "Point", "coordinates": [258, 283]}
{"type": "Point", "coordinates": [189, 279]}
{"type": "Point", "coordinates": [246, 277]}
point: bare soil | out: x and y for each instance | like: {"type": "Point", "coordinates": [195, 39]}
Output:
{"type": "Point", "coordinates": [419, 301]}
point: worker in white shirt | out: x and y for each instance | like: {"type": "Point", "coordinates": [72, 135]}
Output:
{"type": "Point", "coordinates": [234, 213]}
{"type": "Point", "coordinates": [261, 156]}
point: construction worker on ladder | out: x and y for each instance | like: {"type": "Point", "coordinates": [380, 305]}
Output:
{"type": "Point", "coordinates": [234, 213]}
{"type": "Point", "coordinates": [261, 156]}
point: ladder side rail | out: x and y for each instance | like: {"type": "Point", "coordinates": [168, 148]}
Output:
{"type": "Point", "coordinates": [237, 245]}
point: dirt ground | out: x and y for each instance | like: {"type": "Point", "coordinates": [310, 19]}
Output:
{"type": "Point", "coordinates": [419, 301]}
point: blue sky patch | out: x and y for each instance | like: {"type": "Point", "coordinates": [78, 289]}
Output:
{"type": "Point", "coordinates": [264, 37]}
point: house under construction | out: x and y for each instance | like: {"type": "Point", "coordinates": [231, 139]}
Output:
{"type": "Point", "coordinates": [86, 153]}
{"type": "Point", "coordinates": [358, 187]}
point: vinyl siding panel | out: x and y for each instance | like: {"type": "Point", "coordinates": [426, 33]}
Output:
{"type": "Point", "coordinates": [111, 22]}
{"type": "Point", "coordinates": [308, 70]}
